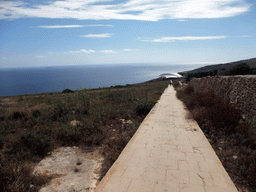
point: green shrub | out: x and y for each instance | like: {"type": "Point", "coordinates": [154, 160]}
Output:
{"type": "Point", "coordinates": [188, 89]}
{"type": "Point", "coordinates": [223, 114]}
{"type": "Point", "coordinates": [67, 91]}
{"type": "Point", "coordinates": [176, 84]}
{"type": "Point", "coordinates": [59, 114]}
{"type": "Point", "coordinates": [38, 143]}
{"type": "Point", "coordinates": [200, 75]}
{"type": "Point", "coordinates": [242, 69]}
{"type": "Point", "coordinates": [69, 135]}
{"type": "Point", "coordinates": [1, 142]}
{"type": "Point", "coordinates": [18, 115]}
{"type": "Point", "coordinates": [19, 177]}
{"type": "Point", "coordinates": [144, 109]}
{"type": "Point", "coordinates": [36, 113]}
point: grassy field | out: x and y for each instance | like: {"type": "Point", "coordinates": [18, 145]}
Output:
{"type": "Point", "coordinates": [33, 125]}
{"type": "Point", "coordinates": [233, 141]}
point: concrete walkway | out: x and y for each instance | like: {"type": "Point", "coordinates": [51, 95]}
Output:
{"type": "Point", "coordinates": [168, 153]}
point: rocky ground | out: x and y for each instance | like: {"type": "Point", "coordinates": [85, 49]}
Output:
{"type": "Point", "coordinates": [74, 169]}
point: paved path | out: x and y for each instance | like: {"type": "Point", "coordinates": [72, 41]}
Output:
{"type": "Point", "coordinates": [168, 153]}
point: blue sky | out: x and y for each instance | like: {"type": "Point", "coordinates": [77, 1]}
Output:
{"type": "Point", "coordinates": [37, 33]}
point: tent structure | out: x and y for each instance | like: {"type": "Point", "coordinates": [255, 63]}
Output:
{"type": "Point", "coordinates": [171, 75]}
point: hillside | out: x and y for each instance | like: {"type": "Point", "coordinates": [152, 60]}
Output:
{"type": "Point", "coordinates": [222, 68]}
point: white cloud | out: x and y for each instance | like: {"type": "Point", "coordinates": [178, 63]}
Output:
{"type": "Point", "coordinates": [72, 26]}
{"type": "Point", "coordinates": [60, 26]}
{"type": "Point", "coordinates": [186, 38]}
{"type": "Point", "coordinates": [98, 25]}
{"type": "Point", "coordinates": [147, 10]}
{"type": "Point", "coordinates": [104, 35]}
{"type": "Point", "coordinates": [90, 51]}
{"type": "Point", "coordinates": [87, 51]}
{"type": "Point", "coordinates": [82, 51]}
{"type": "Point", "coordinates": [108, 51]}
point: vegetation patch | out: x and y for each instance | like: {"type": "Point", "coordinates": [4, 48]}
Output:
{"type": "Point", "coordinates": [236, 69]}
{"type": "Point", "coordinates": [242, 69]}
{"type": "Point", "coordinates": [234, 141]}
{"type": "Point", "coordinates": [67, 91]}
{"type": "Point", "coordinates": [144, 109]}
{"type": "Point", "coordinates": [32, 127]}
{"type": "Point", "coordinates": [200, 74]}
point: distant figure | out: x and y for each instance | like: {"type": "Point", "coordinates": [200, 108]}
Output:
{"type": "Point", "coordinates": [170, 82]}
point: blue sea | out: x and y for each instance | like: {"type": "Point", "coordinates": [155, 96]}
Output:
{"type": "Point", "coordinates": [21, 81]}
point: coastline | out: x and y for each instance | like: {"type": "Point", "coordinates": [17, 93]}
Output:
{"type": "Point", "coordinates": [100, 88]}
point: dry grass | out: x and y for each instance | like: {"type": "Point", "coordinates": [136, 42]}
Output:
{"type": "Point", "coordinates": [33, 125]}
{"type": "Point", "coordinates": [234, 142]}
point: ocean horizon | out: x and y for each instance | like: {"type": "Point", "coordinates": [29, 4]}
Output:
{"type": "Point", "coordinates": [29, 80]}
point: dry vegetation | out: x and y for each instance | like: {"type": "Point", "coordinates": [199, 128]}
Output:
{"type": "Point", "coordinates": [33, 125]}
{"type": "Point", "coordinates": [233, 141]}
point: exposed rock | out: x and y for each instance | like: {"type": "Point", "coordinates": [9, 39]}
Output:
{"type": "Point", "coordinates": [75, 123]}
{"type": "Point", "coordinates": [126, 121]}
{"type": "Point", "coordinates": [74, 171]}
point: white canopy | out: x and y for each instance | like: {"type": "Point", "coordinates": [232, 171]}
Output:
{"type": "Point", "coordinates": [170, 75]}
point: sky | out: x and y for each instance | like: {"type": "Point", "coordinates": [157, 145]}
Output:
{"type": "Point", "coordinates": [36, 33]}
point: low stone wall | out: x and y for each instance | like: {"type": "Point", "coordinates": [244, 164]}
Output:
{"type": "Point", "coordinates": [240, 90]}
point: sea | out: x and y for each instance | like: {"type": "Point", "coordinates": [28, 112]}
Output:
{"type": "Point", "coordinates": [21, 81]}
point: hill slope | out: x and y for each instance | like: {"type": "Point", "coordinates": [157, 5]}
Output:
{"type": "Point", "coordinates": [222, 68]}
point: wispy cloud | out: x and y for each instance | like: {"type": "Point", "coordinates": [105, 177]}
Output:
{"type": "Point", "coordinates": [72, 26]}
{"type": "Point", "coordinates": [245, 36]}
{"type": "Point", "coordinates": [147, 10]}
{"type": "Point", "coordinates": [108, 51]}
{"type": "Point", "coordinates": [104, 35]}
{"type": "Point", "coordinates": [127, 50]}
{"type": "Point", "coordinates": [40, 56]}
{"type": "Point", "coordinates": [98, 25]}
{"type": "Point", "coordinates": [60, 26]}
{"type": "Point", "coordinates": [82, 51]}
{"type": "Point", "coordinates": [186, 38]}
{"type": "Point", "coordinates": [89, 51]}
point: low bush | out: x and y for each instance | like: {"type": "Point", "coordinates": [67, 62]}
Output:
{"type": "Point", "coordinates": [200, 75]}
{"type": "Point", "coordinates": [242, 69]}
{"type": "Point", "coordinates": [36, 113]}
{"type": "Point", "coordinates": [38, 143]}
{"type": "Point", "coordinates": [67, 91]}
{"type": "Point", "coordinates": [223, 114]}
{"type": "Point", "coordinates": [144, 109]}
{"type": "Point", "coordinates": [176, 84]}
{"type": "Point", "coordinates": [188, 89]}
{"type": "Point", "coordinates": [69, 135]}
{"type": "Point", "coordinates": [17, 176]}
{"type": "Point", "coordinates": [18, 115]}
